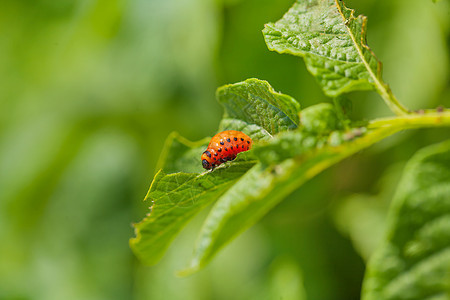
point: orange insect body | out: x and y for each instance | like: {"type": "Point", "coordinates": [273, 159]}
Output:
{"type": "Point", "coordinates": [224, 147]}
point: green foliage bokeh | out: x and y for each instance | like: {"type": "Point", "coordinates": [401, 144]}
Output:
{"type": "Point", "coordinates": [91, 89]}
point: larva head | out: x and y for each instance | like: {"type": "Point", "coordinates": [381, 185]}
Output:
{"type": "Point", "coordinates": [207, 160]}
{"type": "Point", "coordinates": [206, 165]}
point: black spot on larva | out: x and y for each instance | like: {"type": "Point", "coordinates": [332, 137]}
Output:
{"type": "Point", "coordinates": [231, 147]}
{"type": "Point", "coordinates": [222, 143]}
{"type": "Point", "coordinates": [235, 138]}
{"type": "Point", "coordinates": [227, 149]}
{"type": "Point", "coordinates": [247, 147]}
{"type": "Point", "coordinates": [242, 146]}
{"type": "Point", "coordinates": [207, 153]}
{"type": "Point", "coordinates": [242, 139]}
{"type": "Point", "coordinates": [215, 154]}
{"type": "Point", "coordinates": [248, 142]}
{"type": "Point", "coordinates": [228, 140]}
{"type": "Point", "coordinates": [220, 150]}
{"type": "Point", "coordinates": [215, 158]}
{"type": "Point", "coordinates": [223, 160]}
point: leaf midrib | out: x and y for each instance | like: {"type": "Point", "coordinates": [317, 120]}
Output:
{"type": "Point", "coordinates": [379, 86]}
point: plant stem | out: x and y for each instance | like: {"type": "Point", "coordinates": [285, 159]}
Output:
{"type": "Point", "coordinates": [391, 100]}
{"type": "Point", "coordinates": [428, 118]}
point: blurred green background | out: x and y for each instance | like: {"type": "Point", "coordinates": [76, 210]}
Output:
{"type": "Point", "coordinates": [91, 88]}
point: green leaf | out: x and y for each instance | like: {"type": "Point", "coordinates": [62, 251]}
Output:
{"type": "Point", "coordinates": [176, 198]}
{"type": "Point", "coordinates": [332, 41]}
{"type": "Point", "coordinates": [320, 119]}
{"type": "Point", "coordinates": [267, 183]}
{"type": "Point", "coordinates": [256, 132]}
{"type": "Point", "coordinates": [414, 260]}
{"type": "Point", "coordinates": [255, 102]}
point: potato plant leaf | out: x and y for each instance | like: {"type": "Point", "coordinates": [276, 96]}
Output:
{"type": "Point", "coordinates": [176, 198]}
{"type": "Point", "coordinates": [332, 41]}
{"type": "Point", "coordinates": [414, 260]}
